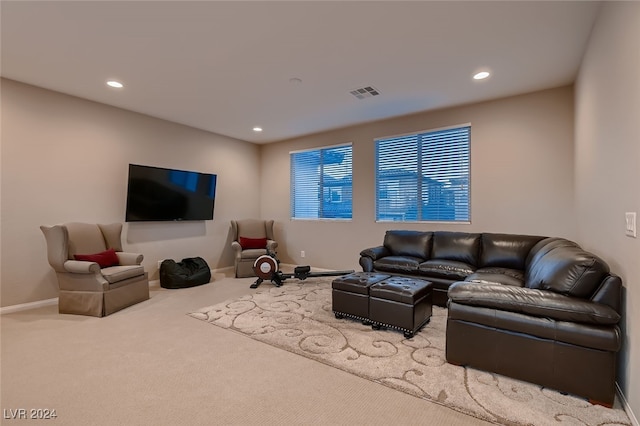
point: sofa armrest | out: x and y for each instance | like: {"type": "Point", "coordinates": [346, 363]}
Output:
{"type": "Point", "coordinates": [237, 248]}
{"type": "Point", "coordinates": [125, 258]}
{"type": "Point", "coordinates": [375, 253]}
{"type": "Point", "coordinates": [368, 256]}
{"type": "Point", "coordinates": [540, 303]}
{"type": "Point", "coordinates": [271, 246]}
{"type": "Point", "coordinates": [81, 267]}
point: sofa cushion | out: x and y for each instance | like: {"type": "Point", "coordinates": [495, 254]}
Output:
{"type": "Point", "coordinates": [505, 250]}
{"type": "Point", "coordinates": [534, 302]}
{"type": "Point", "coordinates": [458, 246]}
{"type": "Point", "coordinates": [514, 273]}
{"type": "Point", "coordinates": [507, 277]}
{"type": "Point", "coordinates": [400, 264]}
{"type": "Point", "coordinates": [114, 274]}
{"type": "Point", "coordinates": [545, 246]}
{"type": "Point", "coordinates": [104, 258]}
{"type": "Point", "coordinates": [252, 243]}
{"type": "Point", "coordinates": [567, 270]}
{"type": "Point", "coordinates": [408, 243]}
{"type": "Point", "coordinates": [444, 268]}
{"type": "Point", "coordinates": [84, 238]}
{"type": "Point", "coordinates": [252, 254]}
{"type": "Point", "coordinates": [587, 335]}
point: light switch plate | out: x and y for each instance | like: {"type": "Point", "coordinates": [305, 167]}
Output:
{"type": "Point", "coordinates": [630, 218]}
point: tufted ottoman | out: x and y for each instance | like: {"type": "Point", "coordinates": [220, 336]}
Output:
{"type": "Point", "coordinates": [402, 303]}
{"type": "Point", "coordinates": [350, 294]}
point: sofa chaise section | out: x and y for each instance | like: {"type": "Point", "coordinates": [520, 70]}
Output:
{"type": "Point", "coordinates": [560, 330]}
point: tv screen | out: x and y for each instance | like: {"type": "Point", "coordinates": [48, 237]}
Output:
{"type": "Point", "coordinates": [157, 194]}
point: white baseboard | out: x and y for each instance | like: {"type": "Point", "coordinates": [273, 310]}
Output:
{"type": "Point", "coordinates": [222, 270]}
{"type": "Point", "coordinates": [27, 306]}
{"type": "Point", "coordinates": [626, 407]}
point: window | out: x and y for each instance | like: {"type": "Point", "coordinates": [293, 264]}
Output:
{"type": "Point", "coordinates": [424, 176]}
{"type": "Point", "coordinates": [321, 183]}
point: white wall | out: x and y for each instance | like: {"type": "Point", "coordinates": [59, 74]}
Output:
{"type": "Point", "coordinates": [607, 162]}
{"type": "Point", "coordinates": [521, 176]}
{"type": "Point", "coordinates": [66, 159]}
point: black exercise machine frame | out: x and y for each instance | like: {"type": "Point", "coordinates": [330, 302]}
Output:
{"type": "Point", "coordinates": [267, 267]}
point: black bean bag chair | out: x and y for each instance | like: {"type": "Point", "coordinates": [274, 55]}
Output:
{"type": "Point", "coordinates": [190, 272]}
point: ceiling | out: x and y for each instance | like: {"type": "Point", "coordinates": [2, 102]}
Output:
{"type": "Point", "coordinates": [227, 67]}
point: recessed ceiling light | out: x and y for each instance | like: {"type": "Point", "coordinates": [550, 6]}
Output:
{"type": "Point", "coordinates": [114, 83]}
{"type": "Point", "coordinates": [481, 75]}
{"type": "Point", "coordinates": [257, 129]}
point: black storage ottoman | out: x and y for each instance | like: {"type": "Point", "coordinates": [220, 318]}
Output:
{"type": "Point", "coordinates": [401, 303]}
{"type": "Point", "coordinates": [350, 294]}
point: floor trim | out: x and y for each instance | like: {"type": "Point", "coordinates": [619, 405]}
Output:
{"type": "Point", "coordinates": [626, 407]}
{"type": "Point", "coordinates": [27, 306]}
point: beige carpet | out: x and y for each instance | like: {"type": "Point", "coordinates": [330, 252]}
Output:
{"type": "Point", "coordinates": [297, 317]}
{"type": "Point", "coordinates": [151, 364]}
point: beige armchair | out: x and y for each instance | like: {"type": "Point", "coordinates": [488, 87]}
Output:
{"type": "Point", "coordinates": [252, 238]}
{"type": "Point", "coordinates": [86, 287]}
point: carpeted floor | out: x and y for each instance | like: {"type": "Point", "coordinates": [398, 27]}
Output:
{"type": "Point", "coordinates": [151, 364]}
{"type": "Point", "coordinates": [297, 317]}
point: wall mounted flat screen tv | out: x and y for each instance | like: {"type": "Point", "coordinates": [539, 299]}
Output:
{"type": "Point", "coordinates": [158, 194]}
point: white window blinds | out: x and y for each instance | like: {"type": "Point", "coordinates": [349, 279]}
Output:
{"type": "Point", "coordinates": [424, 176]}
{"type": "Point", "coordinates": [321, 183]}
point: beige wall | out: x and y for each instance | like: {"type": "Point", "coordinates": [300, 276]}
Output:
{"type": "Point", "coordinates": [66, 159]}
{"type": "Point", "coordinates": [607, 164]}
{"type": "Point", "coordinates": [521, 176]}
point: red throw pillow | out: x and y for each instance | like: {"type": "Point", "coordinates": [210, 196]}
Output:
{"type": "Point", "coordinates": [104, 259]}
{"type": "Point", "coordinates": [252, 243]}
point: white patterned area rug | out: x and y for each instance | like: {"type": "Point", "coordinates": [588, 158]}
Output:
{"type": "Point", "coordinates": [297, 317]}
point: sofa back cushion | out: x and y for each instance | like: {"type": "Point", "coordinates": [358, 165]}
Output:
{"type": "Point", "coordinates": [506, 250]}
{"type": "Point", "coordinates": [408, 243]}
{"type": "Point", "coordinates": [458, 246]}
{"type": "Point", "coordinates": [546, 245]}
{"type": "Point", "coordinates": [567, 270]}
{"type": "Point", "coordinates": [85, 238]}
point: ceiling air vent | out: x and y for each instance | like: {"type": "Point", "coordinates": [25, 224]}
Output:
{"type": "Point", "coordinates": [365, 92]}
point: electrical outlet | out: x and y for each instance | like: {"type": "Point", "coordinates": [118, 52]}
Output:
{"type": "Point", "coordinates": [302, 253]}
{"type": "Point", "coordinates": [630, 218]}
{"type": "Point", "coordinates": [159, 263]}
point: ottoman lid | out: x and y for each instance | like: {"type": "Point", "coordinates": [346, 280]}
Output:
{"type": "Point", "coordinates": [401, 289]}
{"type": "Point", "coordinates": [358, 282]}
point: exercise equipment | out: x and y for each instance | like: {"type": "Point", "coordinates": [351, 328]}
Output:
{"type": "Point", "coordinates": [267, 267]}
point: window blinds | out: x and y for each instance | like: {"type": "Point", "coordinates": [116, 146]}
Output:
{"type": "Point", "coordinates": [424, 176]}
{"type": "Point", "coordinates": [321, 183]}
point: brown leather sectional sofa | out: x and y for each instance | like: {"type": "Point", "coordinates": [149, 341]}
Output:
{"type": "Point", "coordinates": [529, 307]}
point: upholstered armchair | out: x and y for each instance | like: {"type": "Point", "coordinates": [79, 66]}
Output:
{"type": "Point", "coordinates": [95, 276]}
{"type": "Point", "coordinates": [252, 238]}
